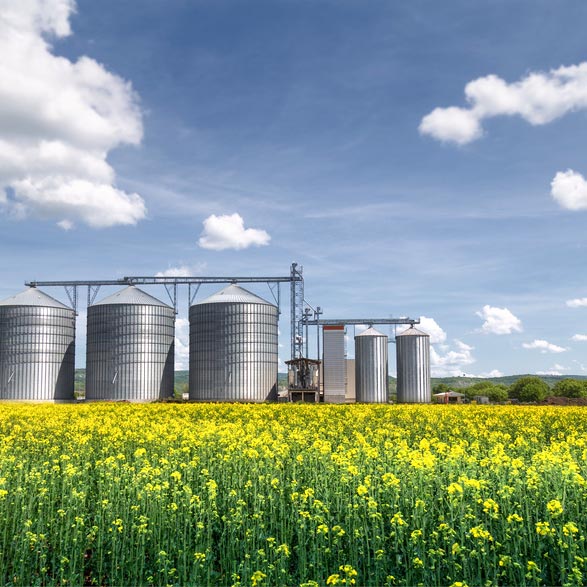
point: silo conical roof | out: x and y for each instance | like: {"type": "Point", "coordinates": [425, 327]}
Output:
{"type": "Point", "coordinates": [371, 332]}
{"type": "Point", "coordinates": [33, 297]}
{"type": "Point", "coordinates": [413, 332]}
{"type": "Point", "coordinates": [132, 295]}
{"type": "Point", "coordinates": [234, 294]}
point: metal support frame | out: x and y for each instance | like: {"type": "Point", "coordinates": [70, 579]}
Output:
{"type": "Point", "coordinates": [369, 321]}
{"type": "Point", "coordinates": [297, 311]}
{"type": "Point", "coordinates": [171, 284]}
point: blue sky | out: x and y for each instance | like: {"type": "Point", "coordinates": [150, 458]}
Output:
{"type": "Point", "coordinates": [126, 126]}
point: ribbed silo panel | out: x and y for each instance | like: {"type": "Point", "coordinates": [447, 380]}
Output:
{"type": "Point", "coordinates": [130, 352]}
{"type": "Point", "coordinates": [371, 369]}
{"type": "Point", "coordinates": [37, 353]}
{"type": "Point", "coordinates": [233, 352]}
{"type": "Point", "coordinates": [413, 369]}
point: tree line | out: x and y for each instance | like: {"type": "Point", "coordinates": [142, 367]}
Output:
{"type": "Point", "coordinates": [525, 389]}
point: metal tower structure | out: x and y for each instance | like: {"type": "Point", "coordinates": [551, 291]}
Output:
{"type": "Point", "coordinates": [297, 311]}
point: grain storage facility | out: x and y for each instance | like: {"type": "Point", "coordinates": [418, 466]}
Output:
{"type": "Point", "coordinates": [413, 366]}
{"type": "Point", "coordinates": [37, 348]}
{"type": "Point", "coordinates": [130, 348]}
{"type": "Point", "coordinates": [233, 347]}
{"type": "Point", "coordinates": [371, 366]}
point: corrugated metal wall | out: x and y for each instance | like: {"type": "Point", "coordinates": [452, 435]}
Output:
{"type": "Point", "coordinates": [413, 368]}
{"type": "Point", "coordinates": [130, 352]}
{"type": "Point", "coordinates": [334, 364]}
{"type": "Point", "coordinates": [371, 367]}
{"type": "Point", "coordinates": [233, 352]}
{"type": "Point", "coordinates": [37, 353]}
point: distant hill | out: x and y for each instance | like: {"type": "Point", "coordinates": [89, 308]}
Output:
{"type": "Point", "coordinates": [182, 377]}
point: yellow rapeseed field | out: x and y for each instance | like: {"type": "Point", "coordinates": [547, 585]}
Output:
{"type": "Point", "coordinates": [168, 494]}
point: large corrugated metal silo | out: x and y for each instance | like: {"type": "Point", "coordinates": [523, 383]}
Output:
{"type": "Point", "coordinates": [233, 347]}
{"type": "Point", "coordinates": [130, 348]}
{"type": "Point", "coordinates": [413, 366]}
{"type": "Point", "coordinates": [371, 366]}
{"type": "Point", "coordinates": [37, 348]}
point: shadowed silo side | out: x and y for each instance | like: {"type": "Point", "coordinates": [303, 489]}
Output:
{"type": "Point", "coordinates": [130, 347]}
{"type": "Point", "coordinates": [371, 366]}
{"type": "Point", "coordinates": [37, 348]}
{"type": "Point", "coordinates": [413, 367]}
{"type": "Point", "coordinates": [233, 347]}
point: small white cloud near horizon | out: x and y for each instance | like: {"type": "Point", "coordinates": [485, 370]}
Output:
{"type": "Point", "coordinates": [577, 303]}
{"type": "Point", "coordinates": [544, 346]}
{"type": "Point", "coordinates": [431, 327]}
{"type": "Point", "coordinates": [182, 270]}
{"type": "Point", "coordinates": [452, 363]}
{"type": "Point", "coordinates": [556, 369]}
{"type": "Point", "coordinates": [490, 374]}
{"type": "Point", "coordinates": [499, 321]}
{"type": "Point", "coordinates": [60, 119]}
{"type": "Point", "coordinates": [579, 337]}
{"type": "Point", "coordinates": [569, 189]}
{"type": "Point", "coordinates": [228, 232]}
{"type": "Point", "coordinates": [538, 98]}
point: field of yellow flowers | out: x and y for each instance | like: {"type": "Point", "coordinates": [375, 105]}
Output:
{"type": "Point", "coordinates": [167, 494]}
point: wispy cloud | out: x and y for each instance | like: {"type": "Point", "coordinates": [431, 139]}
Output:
{"type": "Point", "coordinates": [577, 303]}
{"type": "Point", "coordinates": [544, 346]}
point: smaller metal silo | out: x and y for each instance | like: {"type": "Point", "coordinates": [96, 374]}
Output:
{"type": "Point", "coordinates": [371, 366]}
{"type": "Point", "coordinates": [413, 367]}
{"type": "Point", "coordinates": [37, 348]}
{"type": "Point", "coordinates": [130, 350]}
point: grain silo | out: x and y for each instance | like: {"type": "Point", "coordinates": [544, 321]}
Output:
{"type": "Point", "coordinates": [413, 366]}
{"type": "Point", "coordinates": [37, 348]}
{"type": "Point", "coordinates": [233, 347]}
{"type": "Point", "coordinates": [371, 366]}
{"type": "Point", "coordinates": [130, 348]}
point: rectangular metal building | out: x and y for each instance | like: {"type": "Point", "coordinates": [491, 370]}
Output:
{"type": "Point", "coordinates": [334, 364]}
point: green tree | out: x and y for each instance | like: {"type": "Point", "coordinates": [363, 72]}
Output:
{"type": "Point", "coordinates": [497, 393]}
{"type": "Point", "coordinates": [529, 389]}
{"type": "Point", "coordinates": [440, 388]}
{"type": "Point", "coordinates": [570, 388]}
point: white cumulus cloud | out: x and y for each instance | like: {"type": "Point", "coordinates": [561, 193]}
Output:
{"type": "Point", "coordinates": [539, 98]}
{"type": "Point", "coordinates": [431, 327]}
{"type": "Point", "coordinates": [544, 346]}
{"type": "Point", "coordinates": [182, 271]}
{"type": "Point", "coordinates": [229, 232]}
{"type": "Point", "coordinates": [577, 303]}
{"type": "Point", "coordinates": [569, 189]}
{"type": "Point", "coordinates": [579, 337]}
{"type": "Point", "coordinates": [451, 363]}
{"type": "Point", "coordinates": [456, 125]}
{"type": "Point", "coordinates": [499, 321]}
{"type": "Point", "coordinates": [59, 120]}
